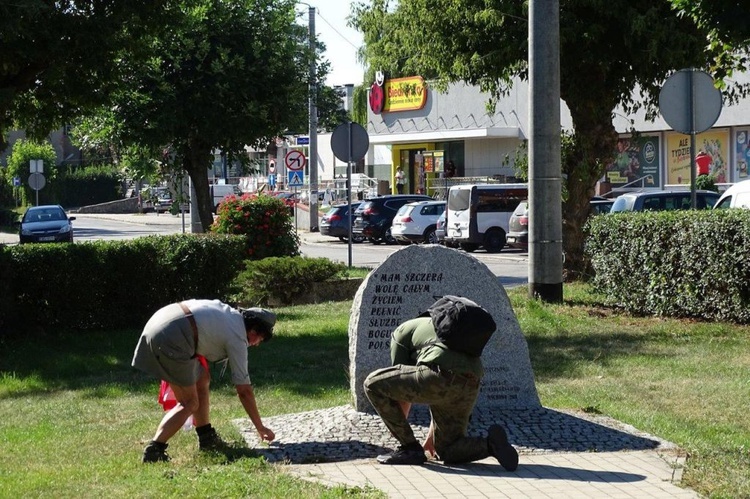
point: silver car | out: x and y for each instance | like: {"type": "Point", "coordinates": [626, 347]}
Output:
{"type": "Point", "coordinates": [417, 222]}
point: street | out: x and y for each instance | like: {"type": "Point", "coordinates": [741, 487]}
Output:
{"type": "Point", "coordinates": [510, 265]}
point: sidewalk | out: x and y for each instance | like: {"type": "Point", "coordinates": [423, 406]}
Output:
{"type": "Point", "coordinates": [638, 474]}
{"type": "Point", "coordinates": [564, 454]}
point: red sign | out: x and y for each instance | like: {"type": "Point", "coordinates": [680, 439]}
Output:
{"type": "Point", "coordinates": [295, 160]}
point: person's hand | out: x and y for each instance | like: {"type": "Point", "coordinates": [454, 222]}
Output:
{"type": "Point", "coordinates": [266, 434]}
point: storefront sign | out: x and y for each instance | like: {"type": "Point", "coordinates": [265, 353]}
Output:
{"type": "Point", "coordinates": [714, 143]}
{"type": "Point", "coordinates": [400, 94]}
{"type": "Point", "coordinates": [636, 159]}
{"type": "Point", "coordinates": [742, 153]}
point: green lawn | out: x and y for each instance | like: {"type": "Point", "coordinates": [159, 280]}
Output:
{"type": "Point", "coordinates": [74, 415]}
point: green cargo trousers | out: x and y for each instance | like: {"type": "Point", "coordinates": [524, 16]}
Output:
{"type": "Point", "coordinates": [451, 399]}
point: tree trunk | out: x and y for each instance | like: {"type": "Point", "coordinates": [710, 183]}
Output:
{"type": "Point", "coordinates": [594, 144]}
{"type": "Point", "coordinates": [197, 159]}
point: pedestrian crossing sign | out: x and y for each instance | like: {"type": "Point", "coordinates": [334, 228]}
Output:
{"type": "Point", "coordinates": [296, 179]}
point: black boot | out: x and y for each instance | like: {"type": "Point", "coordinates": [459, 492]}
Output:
{"type": "Point", "coordinates": [155, 452]}
{"type": "Point", "coordinates": [405, 454]}
{"type": "Point", "coordinates": [500, 449]}
{"type": "Point", "coordinates": [208, 439]}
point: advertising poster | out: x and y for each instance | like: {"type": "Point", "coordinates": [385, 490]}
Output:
{"type": "Point", "coordinates": [637, 158]}
{"type": "Point", "coordinates": [742, 150]}
{"type": "Point", "coordinates": [715, 143]}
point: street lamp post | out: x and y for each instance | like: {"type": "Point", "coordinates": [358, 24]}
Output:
{"type": "Point", "coordinates": [313, 126]}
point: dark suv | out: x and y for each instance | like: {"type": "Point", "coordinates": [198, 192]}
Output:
{"type": "Point", "coordinates": [374, 216]}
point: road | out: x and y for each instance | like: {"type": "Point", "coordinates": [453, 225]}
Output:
{"type": "Point", "coordinates": [510, 265]}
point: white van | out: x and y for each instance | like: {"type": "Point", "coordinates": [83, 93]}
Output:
{"type": "Point", "coordinates": [220, 191]}
{"type": "Point", "coordinates": [737, 196]}
{"type": "Point", "coordinates": [477, 214]}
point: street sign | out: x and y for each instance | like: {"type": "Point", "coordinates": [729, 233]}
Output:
{"type": "Point", "coordinates": [303, 141]}
{"type": "Point", "coordinates": [295, 160]}
{"type": "Point", "coordinates": [37, 181]}
{"type": "Point", "coordinates": [16, 181]}
{"type": "Point", "coordinates": [296, 179]}
{"type": "Point", "coordinates": [349, 142]}
{"type": "Point", "coordinates": [689, 102]}
{"type": "Point", "coordinates": [36, 166]}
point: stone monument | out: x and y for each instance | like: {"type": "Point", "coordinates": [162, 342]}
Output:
{"type": "Point", "coordinates": [406, 284]}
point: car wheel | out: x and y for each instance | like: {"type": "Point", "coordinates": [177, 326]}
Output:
{"type": "Point", "coordinates": [356, 238]}
{"type": "Point", "coordinates": [430, 237]}
{"type": "Point", "coordinates": [389, 238]}
{"type": "Point", "coordinates": [374, 241]}
{"type": "Point", "coordinates": [494, 240]}
{"type": "Point", "coordinates": [342, 239]}
{"type": "Point", "coordinates": [469, 247]}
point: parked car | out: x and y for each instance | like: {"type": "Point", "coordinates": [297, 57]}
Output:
{"type": "Point", "coordinates": [663, 200]}
{"type": "Point", "coordinates": [335, 223]}
{"type": "Point", "coordinates": [440, 228]}
{"type": "Point", "coordinates": [219, 192]}
{"type": "Point", "coordinates": [374, 216]}
{"type": "Point", "coordinates": [416, 222]}
{"type": "Point", "coordinates": [157, 199]}
{"type": "Point", "coordinates": [600, 206]}
{"type": "Point", "coordinates": [46, 224]}
{"type": "Point", "coordinates": [518, 227]}
{"type": "Point", "coordinates": [518, 224]}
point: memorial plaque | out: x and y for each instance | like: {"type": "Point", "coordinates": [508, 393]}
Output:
{"type": "Point", "coordinates": [406, 284]}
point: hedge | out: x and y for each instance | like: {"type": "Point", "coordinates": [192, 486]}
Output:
{"type": "Point", "coordinates": [677, 263]}
{"type": "Point", "coordinates": [111, 284]}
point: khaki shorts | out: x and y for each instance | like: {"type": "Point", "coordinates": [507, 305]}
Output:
{"type": "Point", "coordinates": [166, 348]}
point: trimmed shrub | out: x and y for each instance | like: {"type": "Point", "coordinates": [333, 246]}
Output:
{"type": "Point", "coordinates": [89, 185]}
{"type": "Point", "coordinates": [281, 277]}
{"type": "Point", "coordinates": [676, 263]}
{"type": "Point", "coordinates": [263, 220]}
{"type": "Point", "coordinates": [111, 284]}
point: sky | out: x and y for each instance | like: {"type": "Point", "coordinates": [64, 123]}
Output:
{"type": "Point", "coordinates": [341, 41]}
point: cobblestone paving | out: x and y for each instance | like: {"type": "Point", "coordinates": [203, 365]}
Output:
{"type": "Point", "coordinates": [342, 433]}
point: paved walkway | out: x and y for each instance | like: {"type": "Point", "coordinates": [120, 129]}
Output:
{"type": "Point", "coordinates": [562, 454]}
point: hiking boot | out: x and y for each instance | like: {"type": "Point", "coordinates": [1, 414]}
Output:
{"type": "Point", "coordinates": [155, 452]}
{"type": "Point", "coordinates": [410, 454]}
{"type": "Point", "coordinates": [500, 449]}
{"type": "Point", "coordinates": [211, 441]}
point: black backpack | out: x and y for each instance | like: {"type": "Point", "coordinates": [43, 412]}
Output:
{"type": "Point", "coordinates": [461, 324]}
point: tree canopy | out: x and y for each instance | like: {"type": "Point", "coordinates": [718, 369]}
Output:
{"type": "Point", "coordinates": [608, 50]}
{"type": "Point", "coordinates": [227, 74]}
{"type": "Point", "coordinates": [58, 58]}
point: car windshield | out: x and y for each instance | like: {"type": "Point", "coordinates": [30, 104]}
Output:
{"type": "Point", "coordinates": [44, 215]}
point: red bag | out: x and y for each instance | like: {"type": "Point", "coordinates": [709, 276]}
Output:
{"type": "Point", "coordinates": [166, 396]}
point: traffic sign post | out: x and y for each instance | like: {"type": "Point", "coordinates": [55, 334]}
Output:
{"type": "Point", "coordinates": [295, 178]}
{"type": "Point", "coordinates": [295, 160]}
{"type": "Point", "coordinates": [350, 142]}
{"type": "Point", "coordinates": [690, 103]}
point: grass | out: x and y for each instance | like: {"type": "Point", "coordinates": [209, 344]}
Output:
{"type": "Point", "coordinates": [74, 416]}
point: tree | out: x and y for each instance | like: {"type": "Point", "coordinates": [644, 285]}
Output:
{"type": "Point", "coordinates": [19, 166]}
{"type": "Point", "coordinates": [727, 19]}
{"type": "Point", "coordinates": [608, 49]}
{"type": "Point", "coordinates": [58, 58]}
{"type": "Point", "coordinates": [331, 112]}
{"type": "Point", "coordinates": [227, 74]}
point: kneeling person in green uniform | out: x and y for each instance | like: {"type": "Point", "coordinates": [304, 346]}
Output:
{"type": "Point", "coordinates": [425, 371]}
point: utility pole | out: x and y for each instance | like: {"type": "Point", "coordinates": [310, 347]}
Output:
{"type": "Point", "coordinates": [545, 176]}
{"type": "Point", "coordinates": [313, 130]}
